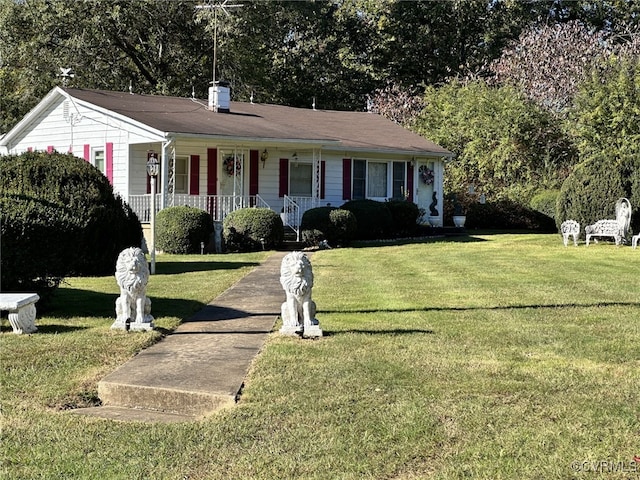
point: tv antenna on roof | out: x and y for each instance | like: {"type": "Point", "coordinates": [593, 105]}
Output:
{"type": "Point", "coordinates": [215, 6]}
{"type": "Point", "coordinates": [66, 74]}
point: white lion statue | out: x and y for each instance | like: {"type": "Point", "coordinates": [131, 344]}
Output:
{"type": "Point", "coordinates": [298, 311]}
{"type": "Point", "coordinates": [133, 307]}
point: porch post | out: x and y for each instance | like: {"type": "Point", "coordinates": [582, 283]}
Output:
{"type": "Point", "coordinates": [317, 177]}
{"type": "Point", "coordinates": [165, 173]}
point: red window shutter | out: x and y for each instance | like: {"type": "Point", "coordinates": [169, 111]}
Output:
{"type": "Point", "coordinates": [194, 175]}
{"type": "Point", "coordinates": [346, 179]}
{"type": "Point", "coordinates": [50, 149]}
{"type": "Point", "coordinates": [323, 172]}
{"type": "Point", "coordinates": [109, 162]}
{"type": "Point", "coordinates": [410, 181]}
{"type": "Point", "coordinates": [284, 177]}
{"type": "Point", "coordinates": [254, 156]}
{"type": "Point", "coordinates": [212, 171]}
{"type": "Point", "coordinates": [87, 152]}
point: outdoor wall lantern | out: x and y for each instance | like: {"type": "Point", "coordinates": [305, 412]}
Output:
{"type": "Point", "coordinates": [153, 168]}
{"type": "Point", "coordinates": [263, 157]}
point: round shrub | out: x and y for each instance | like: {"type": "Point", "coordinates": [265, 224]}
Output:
{"type": "Point", "coordinates": [590, 192]}
{"type": "Point", "coordinates": [335, 225]}
{"type": "Point", "coordinates": [252, 229]}
{"type": "Point", "coordinates": [60, 217]}
{"type": "Point", "coordinates": [344, 226]}
{"type": "Point", "coordinates": [373, 219]}
{"type": "Point", "coordinates": [405, 216]}
{"type": "Point", "coordinates": [181, 229]}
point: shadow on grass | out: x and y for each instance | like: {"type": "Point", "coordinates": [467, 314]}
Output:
{"type": "Point", "coordinates": [74, 302]}
{"type": "Point", "coordinates": [172, 268]}
{"type": "Point", "coordinates": [394, 332]}
{"type": "Point", "coordinates": [497, 307]}
{"type": "Point", "coordinates": [415, 240]}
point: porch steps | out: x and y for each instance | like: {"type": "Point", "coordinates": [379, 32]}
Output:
{"type": "Point", "coordinates": [290, 242]}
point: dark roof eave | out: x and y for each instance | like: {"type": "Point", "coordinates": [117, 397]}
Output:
{"type": "Point", "coordinates": [393, 151]}
{"type": "Point", "coordinates": [254, 139]}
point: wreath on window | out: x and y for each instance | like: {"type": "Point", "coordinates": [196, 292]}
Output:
{"type": "Point", "coordinates": [232, 165]}
{"type": "Point", "coordinates": [426, 175]}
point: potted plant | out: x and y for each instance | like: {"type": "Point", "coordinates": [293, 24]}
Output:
{"type": "Point", "coordinates": [459, 215]}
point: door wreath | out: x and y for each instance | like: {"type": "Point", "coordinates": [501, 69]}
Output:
{"type": "Point", "coordinates": [232, 165]}
{"type": "Point", "coordinates": [426, 175]}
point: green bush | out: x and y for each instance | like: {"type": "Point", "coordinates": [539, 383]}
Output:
{"type": "Point", "coordinates": [545, 202]}
{"type": "Point", "coordinates": [181, 229]}
{"type": "Point", "coordinates": [507, 214]}
{"type": "Point", "coordinates": [336, 226]}
{"type": "Point", "coordinates": [591, 191]}
{"type": "Point", "coordinates": [252, 229]}
{"type": "Point", "coordinates": [500, 214]}
{"type": "Point", "coordinates": [373, 219]}
{"type": "Point", "coordinates": [405, 216]}
{"type": "Point", "coordinates": [60, 217]}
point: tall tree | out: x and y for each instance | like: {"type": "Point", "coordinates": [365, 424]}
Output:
{"type": "Point", "coordinates": [505, 145]}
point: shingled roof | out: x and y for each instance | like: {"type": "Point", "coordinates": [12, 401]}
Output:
{"type": "Point", "coordinates": [332, 129]}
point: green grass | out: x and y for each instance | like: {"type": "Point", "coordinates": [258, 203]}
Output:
{"type": "Point", "coordinates": [503, 356]}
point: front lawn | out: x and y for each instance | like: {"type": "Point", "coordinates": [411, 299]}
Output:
{"type": "Point", "coordinates": [501, 356]}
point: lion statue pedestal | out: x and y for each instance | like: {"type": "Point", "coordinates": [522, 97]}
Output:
{"type": "Point", "coordinates": [298, 311]}
{"type": "Point", "coordinates": [133, 307]}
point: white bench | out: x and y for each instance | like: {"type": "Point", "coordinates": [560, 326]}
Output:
{"type": "Point", "coordinates": [22, 310]}
{"type": "Point", "coordinates": [605, 228]}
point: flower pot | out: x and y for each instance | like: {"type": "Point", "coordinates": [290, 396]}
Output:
{"type": "Point", "coordinates": [458, 220]}
{"type": "Point", "coordinates": [434, 221]}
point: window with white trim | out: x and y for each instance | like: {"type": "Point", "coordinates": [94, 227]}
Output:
{"type": "Point", "coordinates": [98, 160]}
{"type": "Point", "coordinates": [300, 179]}
{"type": "Point", "coordinates": [181, 179]}
{"type": "Point", "coordinates": [378, 180]}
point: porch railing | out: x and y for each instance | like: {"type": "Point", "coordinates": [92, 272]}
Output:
{"type": "Point", "coordinates": [293, 210]}
{"type": "Point", "coordinates": [218, 206]}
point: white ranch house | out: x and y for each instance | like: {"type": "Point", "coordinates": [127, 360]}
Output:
{"type": "Point", "coordinates": [220, 155]}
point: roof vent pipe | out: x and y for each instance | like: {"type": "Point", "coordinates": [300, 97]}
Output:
{"type": "Point", "coordinates": [219, 97]}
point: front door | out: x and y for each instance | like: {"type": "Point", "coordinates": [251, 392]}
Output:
{"type": "Point", "coordinates": [427, 198]}
{"type": "Point", "coordinates": [232, 174]}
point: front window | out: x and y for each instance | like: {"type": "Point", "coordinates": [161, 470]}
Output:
{"type": "Point", "coordinates": [300, 179]}
{"type": "Point", "coordinates": [98, 160]}
{"type": "Point", "coordinates": [182, 175]}
{"type": "Point", "coordinates": [399, 180]}
{"type": "Point", "coordinates": [378, 180]}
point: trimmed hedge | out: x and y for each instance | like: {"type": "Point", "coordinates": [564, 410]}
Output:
{"type": "Point", "coordinates": [504, 214]}
{"type": "Point", "coordinates": [507, 214]}
{"type": "Point", "coordinates": [405, 216]}
{"type": "Point", "coordinates": [335, 225]}
{"type": "Point", "coordinates": [374, 220]}
{"type": "Point", "coordinates": [181, 229]}
{"type": "Point", "coordinates": [252, 229]}
{"type": "Point", "coordinates": [59, 217]}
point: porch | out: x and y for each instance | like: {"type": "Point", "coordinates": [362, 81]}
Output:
{"type": "Point", "coordinates": [219, 206]}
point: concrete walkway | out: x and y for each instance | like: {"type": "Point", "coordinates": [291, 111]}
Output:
{"type": "Point", "coordinates": [200, 367]}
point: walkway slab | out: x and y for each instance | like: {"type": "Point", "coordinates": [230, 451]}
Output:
{"type": "Point", "coordinates": [200, 367]}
